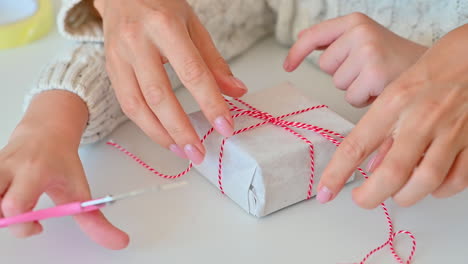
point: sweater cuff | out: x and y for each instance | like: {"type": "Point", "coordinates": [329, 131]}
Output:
{"type": "Point", "coordinates": [82, 72]}
{"type": "Point", "coordinates": [77, 20]}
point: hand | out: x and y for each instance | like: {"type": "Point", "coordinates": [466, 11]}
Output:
{"type": "Point", "coordinates": [42, 157]}
{"type": "Point", "coordinates": [362, 55]}
{"type": "Point", "coordinates": [420, 123]}
{"type": "Point", "coordinates": [140, 37]}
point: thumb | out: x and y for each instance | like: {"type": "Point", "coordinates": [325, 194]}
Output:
{"type": "Point", "coordinates": [94, 224]}
{"type": "Point", "coordinates": [227, 82]}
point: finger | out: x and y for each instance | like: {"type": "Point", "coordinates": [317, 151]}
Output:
{"type": "Point", "coordinates": [157, 91]}
{"type": "Point", "coordinates": [94, 224]}
{"type": "Point", "coordinates": [365, 87]}
{"type": "Point", "coordinates": [229, 85]}
{"type": "Point", "coordinates": [369, 133]}
{"type": "Point", "coordinates": [5, 180]}
{"type": "Point", "coordinates": [336, 54]}
{"type": "Point", "coordinates": [348, 72]}
{"type": "Point", "coordinates": [398, 164]}
{"type": "Point", "coordinates": [320, 35]}
{"type": "Point", "coordinates": [457, 178]}
{"type": "Point", "coordinates": [430, 173]}
{"type": "Point", "coordinates": [195, 75]}
{"type": "Point", "coordinates": [134, 106]}
{"type": "Point", "coordinates": [380, 155]}
{"type": "Point", "coordinates": [1, 211]}
{"type": "Point", "coordinates": [21, 197]}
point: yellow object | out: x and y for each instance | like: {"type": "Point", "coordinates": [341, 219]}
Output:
{"type": "Point", "coordinates": [29, 29]}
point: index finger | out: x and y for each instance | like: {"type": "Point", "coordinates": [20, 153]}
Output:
{"type": "Point", "coordinates": [196, 76]}
{"type": "Point", "coordinates": [319, 36]}
{"type": "Point", "coordinates": [371, 131]}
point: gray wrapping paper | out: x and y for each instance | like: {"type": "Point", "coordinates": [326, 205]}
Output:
{"type": "Point", "coordinates": [268, 168]}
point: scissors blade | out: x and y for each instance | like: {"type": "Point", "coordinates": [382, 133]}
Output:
{"type": "Point", "coordinates": [109, 199]}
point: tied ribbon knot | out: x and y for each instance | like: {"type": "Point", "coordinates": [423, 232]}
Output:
{"type": "Point", "coordinates": [279, 121]}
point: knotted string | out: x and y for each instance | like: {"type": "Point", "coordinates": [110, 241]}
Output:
{"type": "Point", "coordinates": [267, 118]}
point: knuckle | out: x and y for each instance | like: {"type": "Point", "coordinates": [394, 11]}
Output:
{"type": "Point", "coordinates": [370, 50]}
{"type": "Point", "coordinates": [325, 64]}
{"type": "Point", "coordinates": [131, 105]}
{"type": "Point", "coordinates": [353, 149]}
{"type": "Point", "coordinates": [393, 175]}
{"type": "Point", "coordinates": [358, 18]}
{"type": "Point", "coordinates": [356, 101]}
{"type": "Point", "coordinates": [339, 82]}
{"type": "Point", "coordinates": [193, 72]}
{"type": "Point", "coordinates": [398, 97]}
{"type": "Point", "coordinates": [431, 176]}
{"type": "Point", "coordinates": [155, 95]}
{"type": "Point", "coordinates": [459, 127]}
{"type": "Point", "coordinates": [365, 31]}
{"type": "Point", "coordinates": [376, 74]}
{"type": "Point", "coordinates": [160, 18]}
{"type": "Point", "coordinates": [176, 131]}
{"type": "Point", "coordinates": [130, 31]}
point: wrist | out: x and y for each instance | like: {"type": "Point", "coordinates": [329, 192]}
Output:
{"type": "Point", "coordinates": [54, 115]}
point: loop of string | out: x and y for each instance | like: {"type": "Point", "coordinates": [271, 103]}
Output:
{"type": "Point", "coordinates": [279, 121]}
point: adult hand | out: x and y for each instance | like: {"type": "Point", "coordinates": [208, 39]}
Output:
{"type": "Point", "coordinates": [420, 122]}
{"type": "Point", "coordinates": [140, 37]}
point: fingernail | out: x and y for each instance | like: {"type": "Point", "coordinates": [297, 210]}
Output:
{"type": "Point", "coordinates": [370, 164]}
{"type": "Point", "coordinates": [37, 230]}
{"type": "Point", "coordinates": [286, 65]}
{"type": "Point", "coordinates": [193, 153]}
{"type": "Point", "coordinates": [178, 151]}
{"type": "Point", "coordinates": [223, 126]}
{"type": "Point", "coordinates": [324, 195]}
{"type": "Point", "coordinates": [240, 84]}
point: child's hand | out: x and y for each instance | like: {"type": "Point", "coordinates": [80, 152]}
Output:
{"type": "Point", "coordinates": [42, 157]}
{"type": "Point", "coordinates": [362, 55]}
{"type": "Point", "coordinates": [140, 37]}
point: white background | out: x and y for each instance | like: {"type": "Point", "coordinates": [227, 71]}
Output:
{"type": "Point", "coordinates": [196, 224]}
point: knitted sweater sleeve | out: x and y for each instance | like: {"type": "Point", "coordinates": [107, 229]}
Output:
{"type": "Point", "coordinates": [422, 21]}
{"type": "Point", "coordinates": [233, 25]}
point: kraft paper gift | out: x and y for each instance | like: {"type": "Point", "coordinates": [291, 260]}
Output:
{"type": "Point", "coordinates": [268, 168]}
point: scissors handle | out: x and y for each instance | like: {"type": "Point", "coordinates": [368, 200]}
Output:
{"type": "Point", "coordinates": [58, 211]}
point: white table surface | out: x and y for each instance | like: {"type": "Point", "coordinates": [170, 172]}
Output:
{"type": "Point", "coordinates": [196, 224]}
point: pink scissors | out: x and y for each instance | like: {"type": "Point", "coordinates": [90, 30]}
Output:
{"type": "Point", "coordinates": [79, 207]}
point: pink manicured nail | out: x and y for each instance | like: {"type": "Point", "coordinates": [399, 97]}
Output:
{"type": "Point", "coordinates": [370, 165]}
{"type": "Point", "coordinates": [240, 84]}
{"type": "Point", "coordinates": [223, 126]}
{"type": "Point", "coordinates": [178, 151]}
{"type": "Point", "coordinates": [324, 195]}
{"type": "Point", "coordinates": [193, 153]}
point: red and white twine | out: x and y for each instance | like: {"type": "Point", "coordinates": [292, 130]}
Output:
{"type": "Point", "coordinates": [266, 118]}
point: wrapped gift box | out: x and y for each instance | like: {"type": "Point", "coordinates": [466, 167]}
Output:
{"type": "Point", "coordinates": [268, 168]}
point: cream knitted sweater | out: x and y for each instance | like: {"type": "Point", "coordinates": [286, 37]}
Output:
{"type": "Point", "coordinates": [234, 26]}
